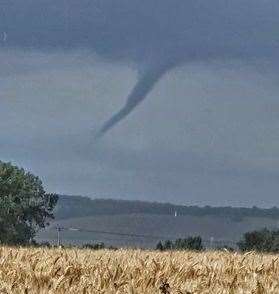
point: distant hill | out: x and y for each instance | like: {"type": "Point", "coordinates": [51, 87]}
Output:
{"type": "Point", "coordinates": [142, 224]}
{"type": "Point", "coordinates": [78, 206]}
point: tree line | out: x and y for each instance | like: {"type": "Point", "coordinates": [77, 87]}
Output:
{"type": "Point", "coordinates": [79, 206]}
{"type": "Point", "coordinates": [259, 240]}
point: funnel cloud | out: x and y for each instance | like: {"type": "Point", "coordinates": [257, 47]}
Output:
{"type": "Point", "coordinates": [146, 81]}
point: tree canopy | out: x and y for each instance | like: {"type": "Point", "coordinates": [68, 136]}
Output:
{"type": "Point", "coordinates": [190, 243]}
{"type": "Point", "coordinates": [263, 241]}
{"type": "Point", "coordinates": [25, 207]}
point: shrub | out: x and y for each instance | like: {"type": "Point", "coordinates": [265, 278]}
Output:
{"type": "Point", "coordinates": [263, 241]}
{"type": "Point", "coordinates": [190, 243]}
{"type": "Point", "coordinates": [160, 246]}
{"type": "Point", "coordinates": [96, 246]}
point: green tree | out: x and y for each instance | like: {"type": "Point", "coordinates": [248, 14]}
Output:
{"type": "Point", "coordinates": [168, 245]}
{"type": "Point", "coordinates": [25, 207]}
{"type": "Point", "coordinates": [190, 243]}
{"type": "Point", "coordinates": [96, 246]}
{"type": "Point", "coordinates": [263, 240]}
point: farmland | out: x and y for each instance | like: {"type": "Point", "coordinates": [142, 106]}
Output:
{"type": "Point", "coordinates": [42, 270]}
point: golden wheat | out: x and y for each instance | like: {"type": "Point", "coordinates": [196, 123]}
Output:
{"type": "Point", "coordinates": [135, 272]}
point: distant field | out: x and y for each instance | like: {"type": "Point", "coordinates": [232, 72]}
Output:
{"type": "Point", "coordinates": [156, 225]}
{"type": "Point", "coordinates": [142, 272]}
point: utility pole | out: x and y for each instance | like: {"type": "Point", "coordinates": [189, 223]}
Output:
{"type": "Point", "coordinates": [58, 230]}
{"type": "Point", "coordinates": [211, 242]}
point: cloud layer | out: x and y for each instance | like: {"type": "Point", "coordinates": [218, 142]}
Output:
{"type": "Point", "coordinates": [207, 134]}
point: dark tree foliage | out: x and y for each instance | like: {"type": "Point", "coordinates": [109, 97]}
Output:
{"type": "Point", "coordinates": [160, 246]}
{"type": "Point", "coordinates": [263, 241]}
{"type": "Point", "coordinates": [190, 243]}
{"type": "Point", "coordinates": [97, 246]}
{"type": "Point", "coordinates": [25, 207]}
{"type": "Point", "coordinates": [168, 245]}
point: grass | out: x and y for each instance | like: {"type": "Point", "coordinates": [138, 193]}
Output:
{"type": "Point", "coordinates": [25, 270]}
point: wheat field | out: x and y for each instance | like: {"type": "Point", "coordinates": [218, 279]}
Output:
{"type": "Point", "coordinates": [70, 271]}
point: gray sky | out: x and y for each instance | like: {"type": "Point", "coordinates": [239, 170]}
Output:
{"type": "Point", "coordinates": [207, 133]}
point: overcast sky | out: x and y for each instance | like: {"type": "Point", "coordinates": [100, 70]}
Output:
{"type": "Point", "coordinates": [207, 133]}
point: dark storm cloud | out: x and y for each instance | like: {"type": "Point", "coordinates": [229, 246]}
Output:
{"type": "Point", "coordinates": [155, 35]}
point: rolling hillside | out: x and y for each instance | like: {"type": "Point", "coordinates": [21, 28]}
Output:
{"type": "Point", "coordinates": [122, 223]}
{"type": "Point", "coordinates": [78, 206]}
